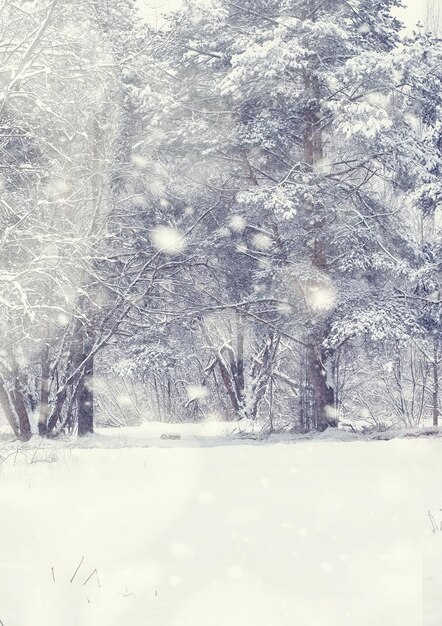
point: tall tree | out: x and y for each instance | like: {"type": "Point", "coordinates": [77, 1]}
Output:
{"type": "Point", "coordinates": [285, 113]}
{"type": "Point", "coordinates": [54, 162]}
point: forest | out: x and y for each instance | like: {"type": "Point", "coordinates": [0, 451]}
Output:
{"type": "Point", "coordinates": [235, 216]}
{"type": "Point", "coordinates": [220, 313]}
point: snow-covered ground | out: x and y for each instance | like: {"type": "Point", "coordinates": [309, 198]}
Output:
{"type": "Point", "coordinates": [192, 533]}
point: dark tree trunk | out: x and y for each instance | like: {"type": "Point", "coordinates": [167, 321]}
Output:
{"type": "Point", "coordinates": [56, 415]}
{"type": "Point", "coordinates": [236, 361]}
{"type": "Point", "coordinates": [85, 399]}
{"type": "Point", "coordinates": [323, 399]}
{"type": "Point", "coordinates": [435, 372]}
{"type": "Point", "coordinates": [315, 223]}
{"type": "Point", "coordinates": [22, 412]}
{"type": "Point", "coordinates": [44, 393]}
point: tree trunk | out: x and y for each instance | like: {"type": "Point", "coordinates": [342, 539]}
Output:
{"type": "Point", "coordinates": [85, 392]}
{"type": "Point", "coordinates": [85, 400]}
{"type": "Point", "coordinates": [435, 394]}
{"type": "Point", "coordinates": [158, 399]}
{"type": "Point", "coordinates": [44, 392]}
{"type": "Point", "coordinates": [322, 393]}
{"type": "Point", "coordinates": [237, 365]}
{"type": "Point", "coordinates": [21, 410]}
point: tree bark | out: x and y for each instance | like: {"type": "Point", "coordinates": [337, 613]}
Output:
{"type": "Point", "coordinates": [322, 392]}
{"type": "Point", "coordinates": [435, 394]}
{"type": "Point", "coordinates": [315, 221]}
{"type": "Point", "coordinates": [22, 412]}
{"type": "Point", "coordinates": [85, 398]}
{"type": "Point", "coordinates": [44, 392]}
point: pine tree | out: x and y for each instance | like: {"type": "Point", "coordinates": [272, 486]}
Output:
{"type": "Point", "coordinates": [293, 109]}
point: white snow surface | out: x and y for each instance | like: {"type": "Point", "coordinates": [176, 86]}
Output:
{"type": "Point", "coordinates": [206, 531]}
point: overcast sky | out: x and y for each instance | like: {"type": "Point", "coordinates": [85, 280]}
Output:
{"type": "Point", "coordinates": [415, 11]}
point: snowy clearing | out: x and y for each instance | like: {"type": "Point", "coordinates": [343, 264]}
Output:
{"type": "Point", "coordinates": [318, 534]}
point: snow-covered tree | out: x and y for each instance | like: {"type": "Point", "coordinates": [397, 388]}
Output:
{"type": "Point", "coordinates": [56, 140]}
{"type": "Point", "coordinates": [295, 118]}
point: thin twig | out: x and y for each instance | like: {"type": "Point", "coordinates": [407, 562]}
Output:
{"type": "Point", "coordinates": [90, 576]}
{"type": "Point", "coordinates": [76, 571]}
{"type": "Point", "coordinates": [432, 520]}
